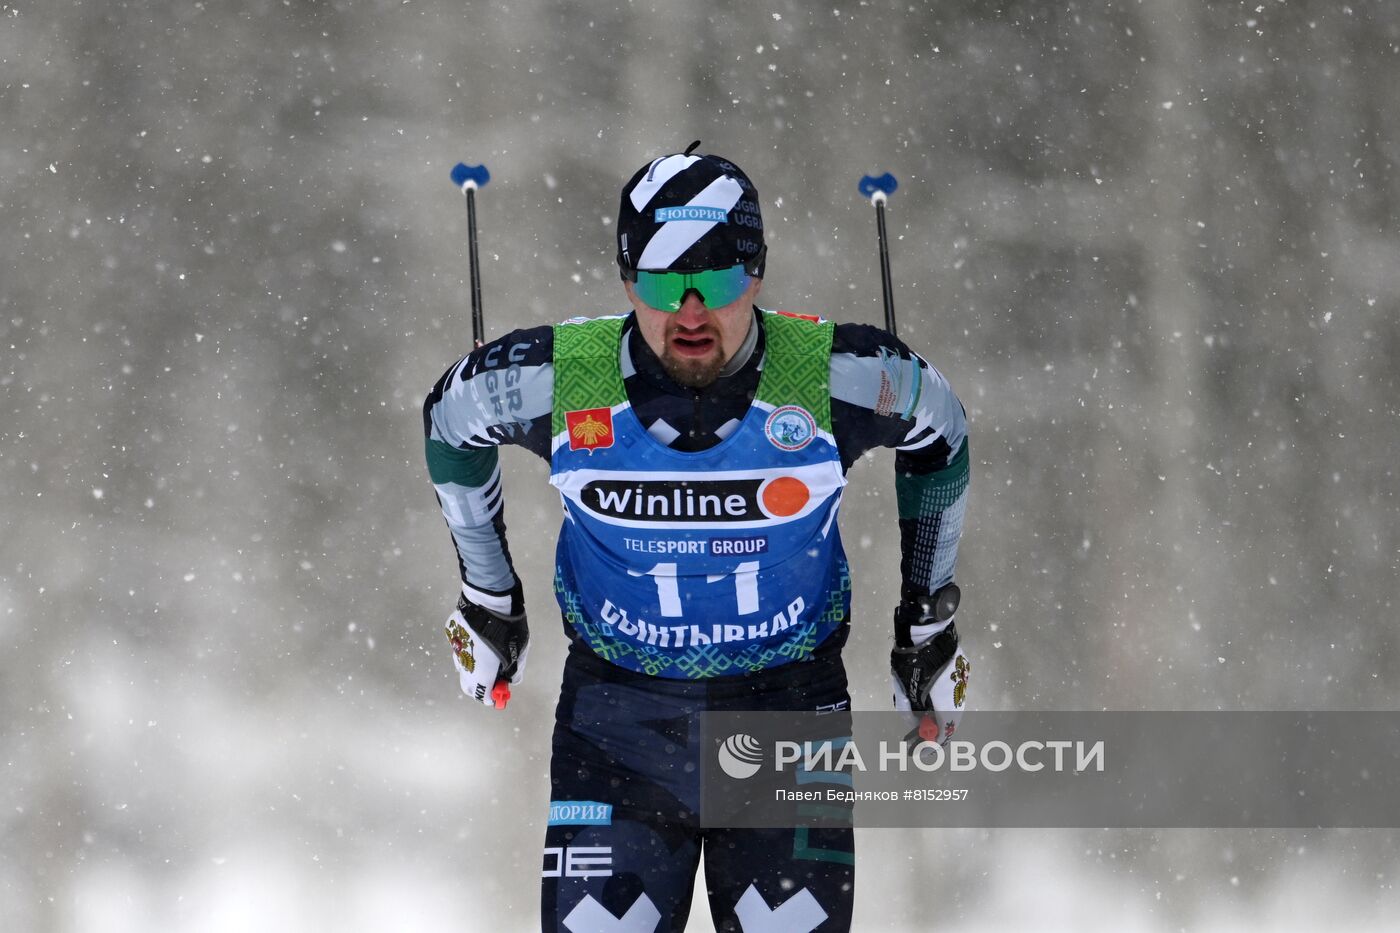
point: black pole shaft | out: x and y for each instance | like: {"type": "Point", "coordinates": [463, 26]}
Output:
{"type": "Point", "coordinates": [475, 267]}
{"type": "Point", "coordinates": [885, 268]}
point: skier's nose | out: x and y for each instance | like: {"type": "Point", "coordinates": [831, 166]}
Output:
{"type": "Point", "coordinates": [693, 311]}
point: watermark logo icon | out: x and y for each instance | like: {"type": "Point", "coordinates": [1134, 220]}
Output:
{"type": "Point", "coordinates": [740, 756]}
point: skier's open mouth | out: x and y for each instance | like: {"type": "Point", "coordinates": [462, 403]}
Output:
{"type": "Point", "coordinates": [693, 345]}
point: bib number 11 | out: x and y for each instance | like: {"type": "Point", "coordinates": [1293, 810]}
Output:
{"type": "Point", "coordinates": [668, 591]}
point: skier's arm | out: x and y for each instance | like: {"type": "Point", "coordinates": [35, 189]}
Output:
{"type": "Point", "coordinates": [931, 479]}
{"type": "Point", "coordinates": [499, 394]}
{"type": "Point", "coordinates": [889, 396]}
{"type": "Point", "coordinates": [929, 669]}
{"type": "Point", "coordinates": [885, 395]}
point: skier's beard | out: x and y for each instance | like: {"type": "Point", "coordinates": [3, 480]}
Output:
{"type": "Point", "coordinates": [692, 371]}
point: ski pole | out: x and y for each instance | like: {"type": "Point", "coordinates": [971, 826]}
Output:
{"type": "Point", "coordinates": [878, 190]}
{"type": "Point", "coordinates": [469, 178]}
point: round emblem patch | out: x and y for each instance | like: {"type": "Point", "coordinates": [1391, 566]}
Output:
{"type": "Point", "coordinates": [790, 427]}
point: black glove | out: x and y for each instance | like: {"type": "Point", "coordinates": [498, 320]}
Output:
{"type": "Point", "coordinates": [485, 675]}
{"type": "Point", "coordinates": [928, 669]}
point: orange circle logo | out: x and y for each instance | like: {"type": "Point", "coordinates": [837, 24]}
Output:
{"type": "Point", "coordinates": [785, 496]}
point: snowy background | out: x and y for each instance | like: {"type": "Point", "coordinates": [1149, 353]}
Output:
{"type": "Point", "coordinates": [1153, 245]}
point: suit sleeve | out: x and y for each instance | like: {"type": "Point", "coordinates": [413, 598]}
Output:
{"type": "Point", "coordinates": [500, 393]}
{"type": "Point", "coordinates": [885, 395]}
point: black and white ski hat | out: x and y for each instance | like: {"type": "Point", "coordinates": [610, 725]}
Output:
{"type": "Point", "coordinates": [688, 213]}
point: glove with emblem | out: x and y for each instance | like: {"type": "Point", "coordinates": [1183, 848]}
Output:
{"type": "Point", "coordinates": [928, 669]}
{"type": "Point", "coordinates": [489, 643]}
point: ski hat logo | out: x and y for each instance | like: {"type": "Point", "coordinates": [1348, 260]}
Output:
{"type": "Point", "coordinates": [740, 756]}
{"type": "Point", "coordinates": [589, 428]}
{"type": "Point", "coordinates": [790, 427]}
{"type": "Point", "coordinates": [713, 215]}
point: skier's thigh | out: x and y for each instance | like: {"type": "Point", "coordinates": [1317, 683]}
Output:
{"type": "Point", "coordinates": [624, 876]}
{"type": "Point", "coordinates": [794, 880]}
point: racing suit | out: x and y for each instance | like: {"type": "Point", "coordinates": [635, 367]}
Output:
{"type": "Point", "coordinates": [699, 567]}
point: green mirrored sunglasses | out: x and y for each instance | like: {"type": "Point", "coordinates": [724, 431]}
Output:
{"type": "Point", "coordinates": [665, 291]}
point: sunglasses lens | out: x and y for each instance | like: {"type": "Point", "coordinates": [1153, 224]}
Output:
{"type": "Point", "coordinates": [661, 290]}
{"type": "Point", "coordinates": [665, 291]}
{"type": "Point", "coordinates": [719, 287]}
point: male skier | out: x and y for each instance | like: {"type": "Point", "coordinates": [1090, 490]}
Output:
{"type": "Point", "coordinates": [699, 446]}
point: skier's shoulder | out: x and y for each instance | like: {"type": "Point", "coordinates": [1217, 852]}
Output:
{"type": "Point", "coordinates": [523, 347]}
{"type": "Point", "coordinates": [867, 340]}
{"type": "Point", "coordinates": [529, 346]}
{"type": "Point", "coordinates": [877, 375]}
{"type": "Point", "coordinates": [493, 393]}
{"type": "Point", "coordinates": [848, 338]}
{"type": "Point", "coordinates": [580, 337]}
